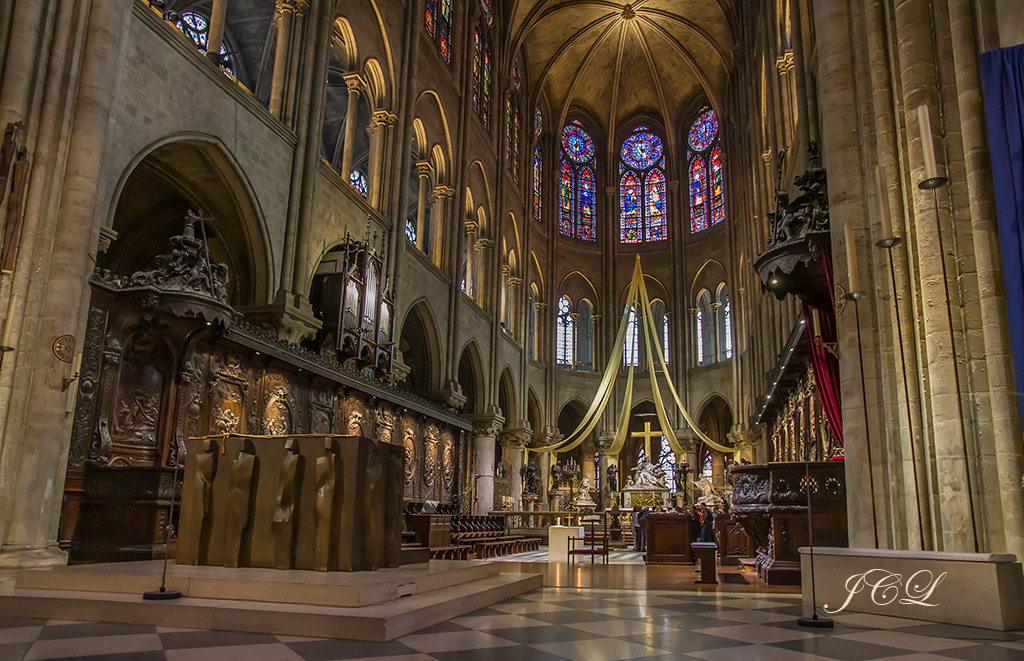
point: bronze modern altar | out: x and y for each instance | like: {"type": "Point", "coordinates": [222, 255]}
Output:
{"type": "Point", "coordinates": [770, 502]}
{"type": "Point", "coordinates": [312, 501]}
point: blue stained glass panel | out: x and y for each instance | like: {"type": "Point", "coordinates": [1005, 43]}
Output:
{"type": "Point", "coordinates": [577, 144]}
{"type": "Point", "coordinates": [717, 187]}
{"type": "Point", "coordinates": [565, 199]}
{"type": "Point", "coordinates": [588, 223]}
{"type": "Point", "coordinates": [538, 122]}
{"type": "Point", "coordinates": [629, 215]}
{"type": "Point", "coordinates": [657, 223]}
{"type": "Point", "coordinates": [698, 196]}
{"type": "Point", "coordinates": [704, 130]}
{"type": "Point", "coordinates": [641, 150]}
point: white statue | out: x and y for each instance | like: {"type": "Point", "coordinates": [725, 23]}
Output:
{"type": "Point", "coordinates": [583, 497]}
{"type": "Point", "coordinates": [649, 478]}
{"type": "Point", "coordinates": [708, 495]}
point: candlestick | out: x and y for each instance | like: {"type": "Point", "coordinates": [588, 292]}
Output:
{"type": "Point", "coordinates": [816, 322]}
{"type": "Point", "coordinates": [851, 260]}
{"type": "Point", "coordinates": [931, 170]}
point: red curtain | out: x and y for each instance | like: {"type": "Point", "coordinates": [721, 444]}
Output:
{"type": "Point", "coordinates": [826, 365]}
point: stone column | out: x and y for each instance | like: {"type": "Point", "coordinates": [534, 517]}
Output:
{"type": "Point", "coordinates": [424, 168]}
{"type": "Point", "coordinates": [485, 433]}
{"type": "Point", "coordinates": [588, 464]}
{"type": "Point", "coordinates": [516, 441]}
{"type": "Point", "coordinates": [37, 428]}
{"type": "Point", "coordinates": [377, 130]}
{"type": "Point", "coordinates": [481, 245]}
{"type": "Point", "coordinates": [215, 33]}
{"type": "Point", "coordinates": [439, 221]}
{"type": "Point", "coordinates": [471, 228]}
{"type": "Point", "coordinates": [355, 86]}
{"type": "Point", "coordinates": [604, 443]}
{"type": "Point", "coordinates": [284, 16]}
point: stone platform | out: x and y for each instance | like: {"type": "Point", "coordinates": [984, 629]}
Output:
{"type": "Point", "coordinates": [375, 606]}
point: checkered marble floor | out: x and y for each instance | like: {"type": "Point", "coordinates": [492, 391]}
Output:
{"type": "Point", "coordinates": [549, 624]}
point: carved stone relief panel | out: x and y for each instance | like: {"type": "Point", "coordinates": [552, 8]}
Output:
{"type": "Point", "coordinates": [355, 417]}
{"type": "Point", "coordinates": [410, 441]}
{"type": "Point", "coordinates": [279, 408]}
{"type": "Point", "coordinates": [447, 464]}
{"type": "Point", "coordinates": [321, 411]}
{"type": "Point", "coordinates": [229, 390]}
{"type": "Point", "coordinates": [84, 426]}
{"type": "Point", "coordinates": [385, 424]}
{"type": "Point", "coordinates": [431, 436]}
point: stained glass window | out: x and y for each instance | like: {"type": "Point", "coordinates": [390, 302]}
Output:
{"type": "Point", "coordinates": [430, 19]}
{"type": "Point", "coordinates": [486, 6]}
{"type": "Point", "coordinates": [664, 337]}
{"type": "Point", "coordinates": [698, 195]}
{"type": "Point", "coordinates": [700, 337]}
{"type": "Point", "coordinates": [587, 229]}
{"type": "Point", "coordinates": [358, 181]}
{"type": "Point", "coordinates": [577, 188]}
{"type": "Point", "coordinates": [197, 28]}
{"type": "Point", "coordinates": [565, 334]}
{"type": "Point", "coordinates": [482, 74]}
{"type": "Point", "coordinates": [512, 124]}
{"type": "Point", "coordinates": [629, 199]}
{"type": "Point", "coordinates": [717, 187]}
{"type": "Point", "coordinates": [538, 122]}
{"type": "Point", "coordinates": [631, 349]}
{"type": "Point", "coordinates": [727, 315]}
{"type": "Point", "coordinates": [565, 196]}
{"type": "Point", "coordinates": [410, 230]}
{"type": "Point", "coordinates": [536, 182]}
{"type": "Point", "coordinates": [707, 469]}
{"type": "Point", "coordinates": [642, 194]}
{"type": "Point", "coordinates": [704, 130]}
{"type": "Point", "coordinates": [705, 172]}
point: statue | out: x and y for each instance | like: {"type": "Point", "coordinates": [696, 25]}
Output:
{"type": "Point", "coordinates": [583, 500]}
{"type": "Point", "coordinates": [530, 478]}
{"type": "Point", "coordinates": [649, 477]}
{"type": "Point", "coordinates": [707, 492]}
{"type": "Point", "coordinates": [239, 517]}
{"type": "Point", "coordinates": [556, 476]}
{"type": "Point", "coordinates": [679, 476]}
{"type": "Point", "coordinates": [326, 479]}
{"type": "Point", "coordinates": [613, 477]}
{"type": "Point", "coordinates": [288, 490]}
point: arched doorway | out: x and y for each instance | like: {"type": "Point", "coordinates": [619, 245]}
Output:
{"type": "Point", "coordinates": [715, 420]}
{"type": "Point", "coordinates": [420, 349]}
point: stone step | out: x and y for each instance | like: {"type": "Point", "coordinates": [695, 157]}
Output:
{"type": "Point", "coordinates": [378, 622]}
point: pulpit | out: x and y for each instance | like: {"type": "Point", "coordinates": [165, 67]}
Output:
{"type": "Point", "coordinates": [668, 539]}
{"type": "Point", "coordinates": [770, 502]}
{"type": "Point", "coordinates": [291, 502]}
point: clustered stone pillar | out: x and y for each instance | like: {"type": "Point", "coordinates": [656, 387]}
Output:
{"type": "Point", "coordinates": [355, 86]}
{"type": "Point", "coordinates": [484, 438]}
{"type": "Point", "coordinates": [438, 220]}
{"type": "Point", "coordinates": [515, 446]}
{"type": "Point", "coordinates": [285, 57]}
{"type": "Point", "coordinates": [215, 33]}
{"type": "Point", "coordinates": [424, 168]}
{"type": "Point", "coordinates": [378, 137]}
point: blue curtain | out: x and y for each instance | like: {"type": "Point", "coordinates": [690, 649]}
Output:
{"type": "Point", "coordinates": [1003, 73]}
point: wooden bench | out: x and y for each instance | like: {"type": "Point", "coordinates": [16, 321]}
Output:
{"type": "Point", "coordinates": [706, 553]}
{"type": "Point", "coordinates": [455, 552]}
{"type": "Point", "coordinates": [507, 546]}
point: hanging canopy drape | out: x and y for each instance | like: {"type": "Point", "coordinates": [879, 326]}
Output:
{"type": "Point", "coordinates": [637, 299]}
{"type": "Point", "coordinates": [1003, 73]}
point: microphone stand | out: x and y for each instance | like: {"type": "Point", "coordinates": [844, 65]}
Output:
{"type": "Point", "coordinates": [812, 622]}
{"type": "Point", "coordinates": [163, 594]}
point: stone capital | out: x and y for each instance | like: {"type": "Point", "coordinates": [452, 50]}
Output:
{"type": "Point", "coordinates": [472, 226]}
{"type": "Point", "coordinates": [785, 62]}
{"type": "Point", "coordinates": [296, 7]}
{"type": "Point", "coordinates": [539, 305]}
{"type": "Point", "coordinates": [487, 424]}
{"type": "Point", "coordinates": [378, 120]}
{"type": "Point", "coordinates": [516, 438]}
{"type": "Point", "coordinates": [766, 156]}
{"type": "Point", "coordinates": [354, 82]}
{"type": "Point", "coordinates": [444, 192]}
{"type": "Point", "coordinates": [514, 281]}
{"type": "Point", "coordinates": [483, 243]}
{"type": "Point", "coordinates": [424, 168]}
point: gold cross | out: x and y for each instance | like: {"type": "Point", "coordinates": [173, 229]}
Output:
{"type": "Point", "coordinates": [647, 434]}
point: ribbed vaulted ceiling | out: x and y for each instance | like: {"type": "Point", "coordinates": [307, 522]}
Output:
{"type": "Point", "coordinates": [615, 59]}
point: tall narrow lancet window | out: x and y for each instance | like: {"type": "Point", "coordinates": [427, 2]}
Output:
{"type": "Point", "coordinates": [642, 194]}
{"type": "Point", "coordinates": [482, 72]}
{"type": "Point", "coordinates": [531, 322]}
{"type": "Point", "coordinates": [631, 349]}
{"type": "Point", "coordinates": [706, 174]}
{"type": "Point", "coordinates": [707, 329]}
{"type": "Point", "coordinates": [512, 124]}
{"type": "Point", "coordinates": [538, 126]}
{"type": "Point", "coordinates": [660, 317]}
{"type": "Point", "coordinates": [699, 321]}
{"type": "Point", "coordinates": [724, 323]}
{"type": "Point", "coordinates": [577, 190]}
{"type": "Point", "coordinates": [585, 336]}
{"type": "Point", "coordinates": [565, 334]}
{"type": "Point", "coordinates": [197, 28]}
{"type": "Point", "coordinates": [438, 23]}
{"type": "Point", "coordinates": [708, 467]}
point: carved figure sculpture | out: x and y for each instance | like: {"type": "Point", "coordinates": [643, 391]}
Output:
{"type": "Point", "coordinates": [613, 477]}
{"type": "Point", "coordinates": [355, 423]}
{"type": "Point", "coordinates": [326, 481]}
{"type": "Point", "coordinates": [288, 489]}
{"type": "Point", "coordinates": [239, 505]}
{"type": "Point", "coordinates": [649, 477]}
{"type": "Point", "coordinates": [409, 441]}
{"type": "Point", "coordinates": [202, 496]}
{"type": "Point", "coordinates": [530, 478]}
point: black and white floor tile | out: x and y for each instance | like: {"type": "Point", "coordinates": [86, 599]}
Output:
{"type": "Point", "coordinates": [550, 624]}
